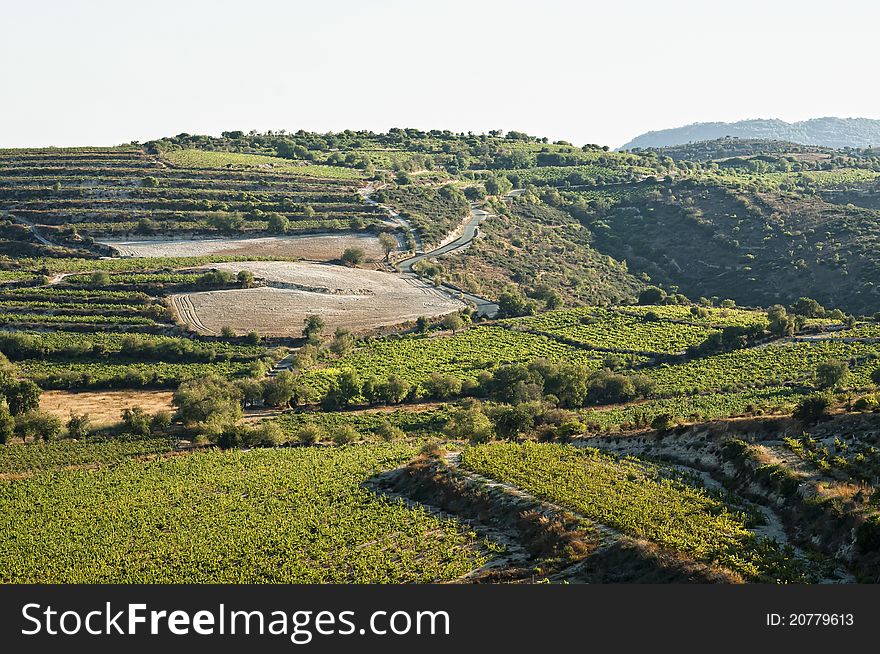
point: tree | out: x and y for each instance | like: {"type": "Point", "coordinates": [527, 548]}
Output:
{"type": "Point", "coordinates": [251, 391]}
{"type": "Point", "coordinates": [512, 303]}
{"type": "Point", "coordinates": [610, 388]}
{"type": "Point", "coordinates": [227, 332]}
{"type": "Point", "coordinates": [226, 222]}
{"type": "Point", "coordinates": [208, 402]}
{"type": "Point", "coordinates": [652, 295]}
{"type": "Point", "coordinates": [150, 182]}
{"type": "Point", "coordinates": [510, 421]}
{"type": "Point", "coordinates": [314, 327]}
{"type": "Point", "coordinates": [343, 390]}
{"type": "Point", "coordinates": [388, 243]}
{"type": "Point", "coordinates": [453, 322]}
{"type": "Point", "coordinates": [808, 307]}
{"type": "Point", "coordinates": [38, 425]}
{"type": "Point", "coordinates": [498, 185]}
{"type": "Point", "coordinates": [394, 390]}
{"type": "Point", "coordinates": [471, 424]}
{"type": "Point", "coordinates": [422, 324]}
{"type": "Point", "coordinates": [342, 342]}
{"type": "Point", "coordinates": [79, 426]}
{"type": "Point", "coordinates": [21, 395]}
{"type": "Point", "coordinates": [831, 374]}
{"type": "Point", "coordinates": [353, 256]}
{"type": "Point", "coordinates": [812, 409]}
{"type": "Point", "coordinates": [280, 390]}
{"type": "Point", "coordinates": [442, 386]}
{"type": "Point", "coordinates": [781, 324]}
{"type": "Point", "coordinates": [277, 223]}
{"type": "Point", "coordinates": [7, 423]}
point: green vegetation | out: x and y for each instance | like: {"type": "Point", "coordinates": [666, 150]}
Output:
{"type": "Point", "coordinates": [639, 499]}
{"type": "Point", "coordinates": [209, 159]}
{"type": "Point", "coordinates": [264, 516]}
{"type": "Point", "coordinates": [635, 291]}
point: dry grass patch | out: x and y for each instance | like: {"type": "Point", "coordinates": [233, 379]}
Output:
{"type": "Point", "coordinates": [104, 407]}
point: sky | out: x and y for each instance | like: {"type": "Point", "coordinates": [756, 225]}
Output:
{"type": "Point", "coordinates": [95, 72]}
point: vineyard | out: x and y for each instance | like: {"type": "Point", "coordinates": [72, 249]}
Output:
{"type": "Point", "coordinates": [642, 500]}
{"type": "Point", "coordinates": [284, 516]}
{"type": "Point", "coordinates": [637, 367]}
{"type": "Point", "coordinates": [600, 328]}
{"type": "Point", "coordinates": [462, 355]}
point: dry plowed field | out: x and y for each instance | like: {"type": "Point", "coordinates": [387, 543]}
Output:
{"type": "Point", "coordinates": [314, 247]}
{"type": "Point", "coordinates": [356, 299]}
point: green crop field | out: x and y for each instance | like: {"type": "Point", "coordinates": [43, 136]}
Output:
{"type": "Point", "coordinates": [285, 516]}
{"type": "Point", "coordinates": [601, 328]}
{"type": "Point", "coordinates": [462, 355]}
{"type": "Point", "coordinates": [639, 499]}
{"type": "Point", "coordinates": [208, 159]}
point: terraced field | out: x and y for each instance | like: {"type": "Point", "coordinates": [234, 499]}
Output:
{"type": "Point", "coordinates": [124, 191]}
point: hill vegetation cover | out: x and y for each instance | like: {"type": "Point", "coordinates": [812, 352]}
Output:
{"type": "Point", "coordinates": [429, 356]}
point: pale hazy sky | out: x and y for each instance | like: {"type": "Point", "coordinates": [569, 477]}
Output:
{"type": "Point", "coordinates": [78, 72]}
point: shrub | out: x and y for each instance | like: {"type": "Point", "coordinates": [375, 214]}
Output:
{"type": "Point", "coordinates": [267, 434]}
{"type": "Point", "coordinates": [831, 374]}
{"type": "Point", "coordinates": [652, 295]}
{"type": "Point", "coordinates": [663, 422]}
{"type": "Point", "coordinates": [99, 278]}
{"type": "Point", "coordinates": [7, 422]}
{"type": "Point", "coordinates": [812, 409]}
{"type": "Point", "coordinates": [868, 534]}
{"type": "Point", "coordinates": [310, 433]}
{"type": "Point", "coordinates": [353, 256]}
{"type": "Point", "coordinates": [79, 426]}
{"type": "Point", "coordinates": [388, 432]}
{"type": "Point", "coordinates": [345, 434]}
{"type": "Point", "coordinates": [136, 421]}
{"type": "Point", "coordinates": [245, 278]}
{"type": "Point", "coordinates": [160, 422]}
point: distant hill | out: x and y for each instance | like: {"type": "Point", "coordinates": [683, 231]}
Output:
{"type": "Point", "coordinates": [828, 132]}
{"type": "Point", "coordinates": [730, 147]}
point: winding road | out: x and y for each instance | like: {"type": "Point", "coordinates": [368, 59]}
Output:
{"type": "Point", "coordinates": [469, 231]}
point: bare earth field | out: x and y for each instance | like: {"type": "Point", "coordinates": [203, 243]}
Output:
{"type": "Point", "coordinates": [356, 299]}
{"type": "Point", "coordinates": [314, 247]}
{"type": "Point", "coordinates": [104, 407]}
